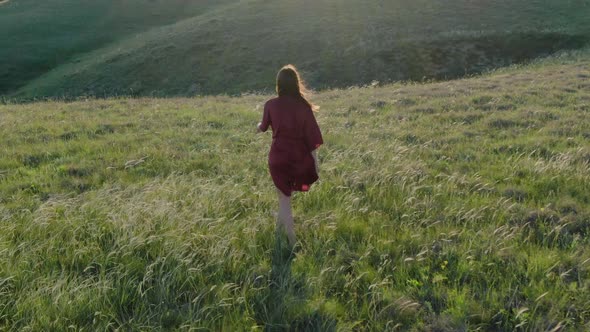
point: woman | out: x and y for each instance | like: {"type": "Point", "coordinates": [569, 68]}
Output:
{"type": "Point", "coordinates": [296, 136]}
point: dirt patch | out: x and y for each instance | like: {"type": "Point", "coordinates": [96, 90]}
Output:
{"type": "Point", "coordinates": [3, 2]}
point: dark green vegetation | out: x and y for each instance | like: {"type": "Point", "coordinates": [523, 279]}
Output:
{"type": "Point", "coordinates": [451, 206]}
{"type": "Point", "coordinates": [65, 48]}
{"type": "Point", "coordinates": [39, 36]}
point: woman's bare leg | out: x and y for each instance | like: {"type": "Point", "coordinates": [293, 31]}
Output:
{"type": "Point", "coordinates": [285, 217]}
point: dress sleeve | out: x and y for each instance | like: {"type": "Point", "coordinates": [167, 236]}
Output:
{"type": "Point", "coordinates": [265, 119]}
{"type": "Point", "coordinates": [313, 135]}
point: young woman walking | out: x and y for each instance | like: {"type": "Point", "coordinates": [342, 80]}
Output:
{"type": "Point", "coordinates": [296, 136]}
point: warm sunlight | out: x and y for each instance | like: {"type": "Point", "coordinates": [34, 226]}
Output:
{"type": "Point", "coordinates": [279, 165]}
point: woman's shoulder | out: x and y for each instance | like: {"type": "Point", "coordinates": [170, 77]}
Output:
{"type": "Point", "coordinates": [288, 101]}
{"type": "Point", "coordinates": [272, 101]}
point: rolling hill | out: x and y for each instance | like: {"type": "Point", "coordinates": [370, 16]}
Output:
{"type": "Point", "coordinates": [236, 46]}
{"type": "Point", "coordinates": [38, 36]}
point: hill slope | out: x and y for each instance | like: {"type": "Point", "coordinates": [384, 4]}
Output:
{"type": "Point", "coordinates": [461, 205]}
{"type": "Point", "coordinates": [239, 47]}
{"type": "Point", "coordinates": [38, 36]}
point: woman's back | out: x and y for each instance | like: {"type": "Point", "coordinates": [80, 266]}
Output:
{"type": "Point", "coordinates": [292, 120]}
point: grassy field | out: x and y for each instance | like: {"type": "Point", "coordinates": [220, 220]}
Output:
{"type": "Point", "coordinates": [68, 48]}
{"type": "Point", "coordinates": [460, 205]}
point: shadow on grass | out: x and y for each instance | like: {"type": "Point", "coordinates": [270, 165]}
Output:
{"type": "Point", "coordinates": [285, 306]}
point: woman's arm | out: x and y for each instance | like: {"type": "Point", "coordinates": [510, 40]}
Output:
{"type": "Point", "coordinates": [265, 123]}
{"type": "Point", "coordinates": [314, 154]}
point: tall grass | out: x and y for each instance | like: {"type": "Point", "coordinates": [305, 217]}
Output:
{"type": "Point", "coordinates": [460, 205]}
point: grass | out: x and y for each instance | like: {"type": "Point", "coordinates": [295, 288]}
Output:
{"type": "Point", "coordinates": [109, 48]}
{"type": "Point", "coordinates": [459, 205]}
{"type": "Point", "coordinates": [37, 37]}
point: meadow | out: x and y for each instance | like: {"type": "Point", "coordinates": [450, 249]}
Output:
{"type": "Point", "coordinates": [450, 206]}
{"type": "Point", "coordinates": [163, 48]}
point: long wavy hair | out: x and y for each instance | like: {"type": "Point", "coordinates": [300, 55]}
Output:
{"type": "Point", "coordinates": [289, 83]}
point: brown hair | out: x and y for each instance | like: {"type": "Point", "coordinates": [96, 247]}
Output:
{"type": "Point", "coordinates": [289, 83]}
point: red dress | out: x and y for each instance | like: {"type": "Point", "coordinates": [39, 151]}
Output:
{"type": "Point", "coordinates": [295, 134]}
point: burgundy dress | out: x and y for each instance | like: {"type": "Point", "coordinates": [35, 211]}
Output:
{"type": "Point", "coordinates": [295, 134]}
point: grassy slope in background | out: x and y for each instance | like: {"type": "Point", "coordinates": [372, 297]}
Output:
{"type": "Point", "coordinates": [449, 206]}
{"type": "Point", "coordinates": [234, 48]}
{"type": "Point", "coordinates": [36, 37]}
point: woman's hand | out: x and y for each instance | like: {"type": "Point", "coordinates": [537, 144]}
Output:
{"type": "Point", "coordinates": [258, 127]}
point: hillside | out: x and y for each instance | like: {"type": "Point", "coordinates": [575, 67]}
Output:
{"type": "Point", "coordinates": [239, 46]}
{"type": "Point", "coordinates": [452, 206]}
{"type": "Point", "coordinates": [38, 36]}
